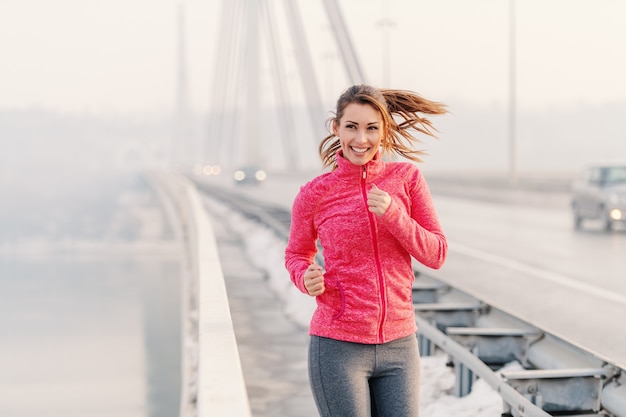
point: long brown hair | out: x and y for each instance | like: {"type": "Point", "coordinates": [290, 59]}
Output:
{"type": "Point", "coordinates": [398, 138]}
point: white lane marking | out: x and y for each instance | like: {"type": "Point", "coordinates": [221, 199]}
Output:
{"type": "Point", "coordinates": [536, 272]}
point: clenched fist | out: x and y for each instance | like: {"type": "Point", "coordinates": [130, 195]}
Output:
{"type": "Point", "coordinates": [378, 201]}
{"type": "Point", "coordinates": [314, 280]}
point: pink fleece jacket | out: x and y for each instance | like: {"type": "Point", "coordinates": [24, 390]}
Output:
{"type": "Point", "coordinates": [368, 274]}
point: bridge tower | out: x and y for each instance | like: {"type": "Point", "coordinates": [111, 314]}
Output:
{"type": "Point", "coordinates": [243, 26]}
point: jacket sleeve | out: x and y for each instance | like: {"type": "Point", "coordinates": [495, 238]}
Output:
{"type": "Point", "coordinates": [419, 231]}
{"type": "Point", "coordinates": [301, 247]}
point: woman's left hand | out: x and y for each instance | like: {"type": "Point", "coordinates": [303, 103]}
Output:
{"type": "Point", "coordinates": [378, 201]}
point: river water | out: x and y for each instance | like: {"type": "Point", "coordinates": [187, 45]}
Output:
{"type": "Point", "coordinates": [90, 308]}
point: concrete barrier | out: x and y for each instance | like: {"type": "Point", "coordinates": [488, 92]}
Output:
{"type": "Point", "coordinates": [217, 386]}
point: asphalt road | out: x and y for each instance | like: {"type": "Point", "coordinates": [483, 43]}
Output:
{"type": "Point", "coordinates": [516, 248]}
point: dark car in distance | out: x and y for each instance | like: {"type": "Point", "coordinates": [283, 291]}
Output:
{"type": "Point", "coordinates": [600, 194]}
{"type": "Point", "coordinates": [249, 175]}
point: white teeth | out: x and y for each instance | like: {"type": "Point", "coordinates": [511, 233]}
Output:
{"type": "Point", "coordinates": [359, 150]}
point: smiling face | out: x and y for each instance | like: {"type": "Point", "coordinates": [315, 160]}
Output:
{"type": "Point", "coordinates": [360, 131]}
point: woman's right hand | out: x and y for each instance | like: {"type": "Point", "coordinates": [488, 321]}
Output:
{"type": "Point", "coordinates": [314, 280]}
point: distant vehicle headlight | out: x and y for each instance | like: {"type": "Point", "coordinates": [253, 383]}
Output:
{"type": "Point", "coordinates": [211, 170]}
{"type": "Point", "coordinates": [239, 175]}
{"type": "Point", "coordinates": [616, 214]}
{"type": "Point", "coordinates": [260, 175]}
{"type": "Point", "coordinates": [249, 175]}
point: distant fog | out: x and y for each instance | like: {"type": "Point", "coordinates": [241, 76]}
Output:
{"type": "Point", "coordinates": [68, 175]}
{"type": "Point", "coordinates": [54, 162]}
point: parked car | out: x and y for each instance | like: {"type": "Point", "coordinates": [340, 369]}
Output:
{"type": "Point", "coordinates": [249, 175]}
{"type": "Point", "coordinates": [600, 193]}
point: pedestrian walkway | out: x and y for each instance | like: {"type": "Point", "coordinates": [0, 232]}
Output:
{"type": "Point", "coordinates": [272, 349]}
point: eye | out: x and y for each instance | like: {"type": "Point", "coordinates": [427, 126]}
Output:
{"type": "Point", "coordinates": [350, 126]}
{"type": "Point", "coordinates": [372, 128]}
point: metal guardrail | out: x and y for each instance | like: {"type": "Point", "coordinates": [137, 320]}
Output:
{"type": "Point", "coordinates": [212, 380]}
{"type": "Point", "coordinates": [557, 378]}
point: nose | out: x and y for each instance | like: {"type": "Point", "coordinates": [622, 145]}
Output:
{"type": "Point", "coordinates": [360, 136]}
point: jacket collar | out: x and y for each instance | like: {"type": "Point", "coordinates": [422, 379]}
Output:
{"type": "Point", "coordinates": [347, 170]}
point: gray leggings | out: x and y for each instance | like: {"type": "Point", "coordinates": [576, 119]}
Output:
{"type": "Point", "coordinates": [358, 380]}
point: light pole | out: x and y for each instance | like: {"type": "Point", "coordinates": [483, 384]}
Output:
{"type": "Point", "coordinates": [512, 96]}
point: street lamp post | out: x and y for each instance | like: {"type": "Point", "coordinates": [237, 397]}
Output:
{"type": "Point", "coordinates": [512, 96]}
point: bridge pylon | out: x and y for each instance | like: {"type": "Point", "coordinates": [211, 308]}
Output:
{"type": "Point", "coordinates": [237, 107]}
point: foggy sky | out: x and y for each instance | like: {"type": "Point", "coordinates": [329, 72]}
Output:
{"type": "Point", "coordinates": [120, 56]}
{"type": "Point", "coordinates": [117, 61]}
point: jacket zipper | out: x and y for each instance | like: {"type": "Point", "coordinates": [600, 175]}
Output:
{"type": "Point", "coordinates": [379, 272]}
